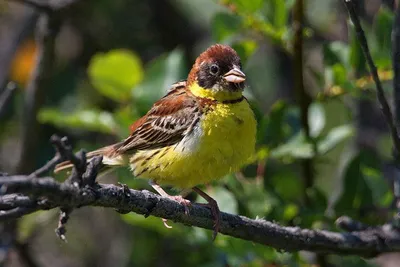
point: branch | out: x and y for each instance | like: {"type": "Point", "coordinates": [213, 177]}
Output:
{"type": "Point", "coordinates": [39, 5]}
{"type": "Point", "coordinates": [6, 97]}
{"type": "Point", "coordinates": [396, 63]}
{"type": "Point", "coordinates": [47, 29]}
{"type": "Point", "coordinates": [396, 104]}
{"type": "Point", "coordinates": [384, 106]}
{"type": "Point", "coordinates": [367, 243]}
{"type": "Point", "coordinates": [47, 6]}
{"type": "Point", "coordinates": [304, 100]}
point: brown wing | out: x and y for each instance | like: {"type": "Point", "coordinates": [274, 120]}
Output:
{"type": "Point", "coordinates": [167, 122]}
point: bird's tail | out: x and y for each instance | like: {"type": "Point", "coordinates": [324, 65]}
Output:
{"type": "Point", "coordinates": [109, 159]}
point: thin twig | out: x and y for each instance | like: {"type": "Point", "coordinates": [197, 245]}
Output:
{"type": "Point", "coordinates": [48, 27]}
{"type": "Point", "coordinates": [396, 104]}
{"type": "Point", "coordinates": [39, 5]}
{"type": "Point", "coordinates": [384, 106]}
{"type": "Point", "coordinates": [6, 97]}
{"type": "Point", "coordinates": [62, 221]}
{"type": "Point", "coordinates": [303, 98]}
{"type": "Point", "coordinates": [15, 213]}
{"type": "Point", "coordinates": [63, 152]}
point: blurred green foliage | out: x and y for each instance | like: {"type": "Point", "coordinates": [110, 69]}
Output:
{"type": "Point", "coordinates": [348, 181]}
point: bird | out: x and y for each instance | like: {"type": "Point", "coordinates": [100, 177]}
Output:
{"type": "Point", "coordinates": [200, 131]}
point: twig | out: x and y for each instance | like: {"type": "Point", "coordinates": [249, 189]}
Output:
{"type": "Point", "coordinates": [384, 106]}
{"type": "Point", "coordinates": [62, 221]}
{"type": "Point", "coordinates": [63, 152]}
{"type": "Point", "coordinates": [39, 5]}
{"type": "Point", "coordinates": [49, 7]}
{"type": "Point", "coordinates": [396, 103]}
{"type": "Point", "coordinates": [12, 201]}
{"type": "Point", "coordinates": [367, 243]}
{"type": "Point", "coordinates": [48, 27]}
{"type": "Point", "coordinates": [15, 213]}
{"type": "Point", "coordinates": [349, 225]}
{"type": "Point", "coordinates": [303, 98]}
{"type": "Point", "coordinates": [6, 97]}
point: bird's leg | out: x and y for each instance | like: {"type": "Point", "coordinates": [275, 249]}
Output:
{"type": "Point", "coordinates": [179, 198]}
{"type": "Point", "coordinates": [213, 205]}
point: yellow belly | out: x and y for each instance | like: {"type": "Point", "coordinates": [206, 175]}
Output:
{"type": "Point", "coordinates": [221, 143]}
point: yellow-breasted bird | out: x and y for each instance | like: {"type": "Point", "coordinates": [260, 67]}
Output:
{"type": "Point", "coordinates": [201, 130]}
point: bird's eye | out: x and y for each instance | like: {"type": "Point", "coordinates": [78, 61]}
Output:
{"type": "Point", "coordinates": [214, 69]}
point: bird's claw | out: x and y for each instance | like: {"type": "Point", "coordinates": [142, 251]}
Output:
{"type": "Point", "coordinates": [165, 222]}
{"type": "Point", "coordinates": [186, 203]}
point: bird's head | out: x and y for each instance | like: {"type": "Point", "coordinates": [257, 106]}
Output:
{"type": "Point", "coordinates": [217, 74]}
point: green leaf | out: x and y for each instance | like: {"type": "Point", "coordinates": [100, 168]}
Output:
{"type": "Point", "coordinates": [271, 129]}
{"type": "Point", "coordinates": [92, 120]}
{"type": "Point", "coordinates": [382, 29]}
{"type": "Point", "coordinates": [357, 60]}
{"type": "Point", "coordinates": [336, 52]}
{"type": "Point", "coordinates": [356, 191]}
{"type": "Point", "coordinates": [285, 182]}
{"type": "Point", "coordinates": [248, 6]}
{"type": "Point", "coordinates": [296, 147]}
{"type": "Point", "coordinates": [372, 171]}
{"type": "Point", "coordinates": [316, 119]}
{"type": "Point", "coordinates": [160, 75]}
{"type": "Point", "coordinates": [225, 25]}
{"type": "Point", "coordinates": [334, 137]}
{"type": "Point", "coordinates": [245, 48]}
{"type": "Point", "coordinates": [290, 211]}
{"type": "Point", "coordinates": [115, 73]}
{"type": "Point", "coordinates": [280, 13]}
{"type": "Point", "coordinates": [152, 223]}
{"type": "Point", "coordinates": [318, 200]}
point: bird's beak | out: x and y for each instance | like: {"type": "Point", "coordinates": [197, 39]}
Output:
{"type": "Point", "coordinates": [235, 75]}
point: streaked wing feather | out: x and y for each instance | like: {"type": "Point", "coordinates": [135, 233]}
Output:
{"type": "Point", "coordinates": [165, 124]}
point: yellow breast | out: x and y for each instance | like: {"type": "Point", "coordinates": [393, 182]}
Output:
{"type": "Point", "coordinates": [222, 141]}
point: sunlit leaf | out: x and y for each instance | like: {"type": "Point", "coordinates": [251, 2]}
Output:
{"type": "Point", "coordinates": [280, 13]}
{"type": "Point", "coordinates": [92, 120]}
{"type": "Point", "coordinates": [334, 137]}
{"type": "Point", "coordinates": [336, 52]}
{"type": "Point", "coordinates": [296, 147]}
{"type": "Point", "coordinates": [114, 73]}
{"type": "Point", "coordinates": [248, 6]}
{"type": "Point", "coordinates": [290, 211]}
{"type": "Point", "coordinates": [316, 119]}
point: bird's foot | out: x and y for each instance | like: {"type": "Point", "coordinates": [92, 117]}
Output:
{"type": "Point", "coordinates": [213, 205]}
{"type": "Point", "coordinates": [216, 213]}
{"type": "Point", "coordinates": [186, 203]}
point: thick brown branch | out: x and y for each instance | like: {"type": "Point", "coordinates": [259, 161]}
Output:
{"type": "Point", "coordinates": [52, 194]}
